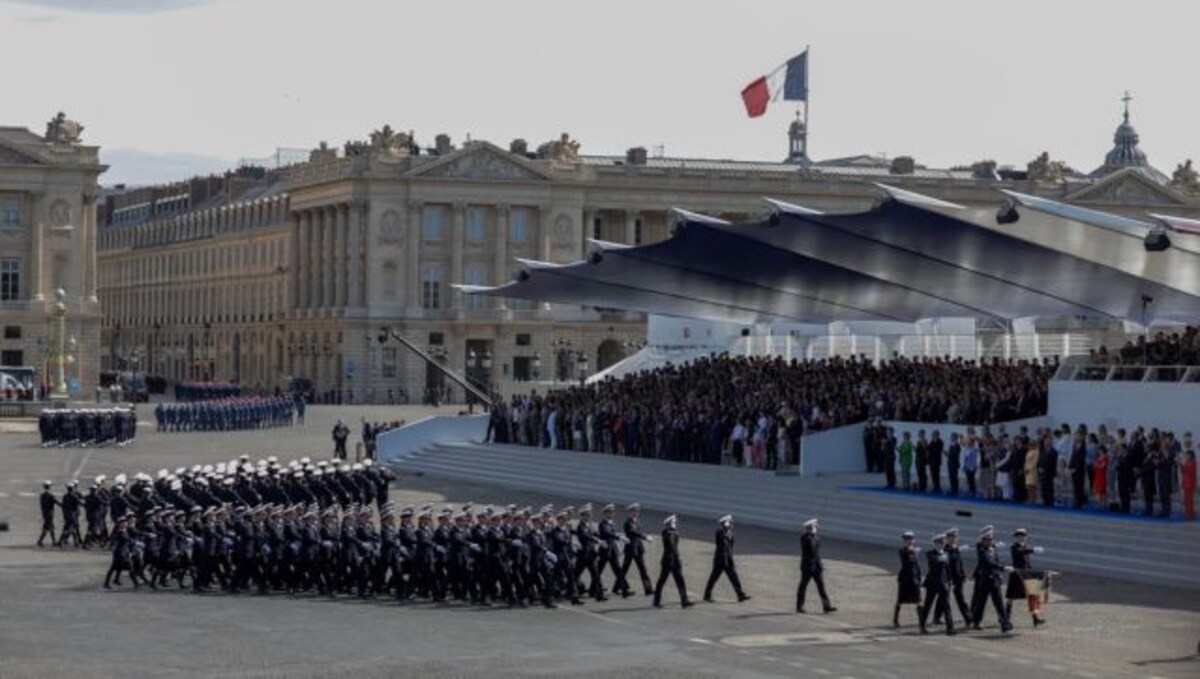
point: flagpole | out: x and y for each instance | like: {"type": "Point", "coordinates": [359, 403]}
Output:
{"type": "Point", "coordinates": [807, 97]}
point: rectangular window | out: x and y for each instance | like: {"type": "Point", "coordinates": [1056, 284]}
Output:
{"type": "Point", "coordinates": [597, 227]}
{"type": "Point", "coordinates": [431, 224]}
{"type": "Point", "coordinates": [523, 339]}
{"type": "Point", "coordinates": [431, 289]}
{"type": "Point", "coordinates": [637, 231]}
{"type": "Point", "coordinates": [10, 211]}
{"type": "Point", "coordinates": [10, 279]}
{"type": "Point", "coordinates": [389, 362]}
{"type": "Point", "coordinates": [12, 332]}
{"type": "Point", "coordinates": [436, 339]}
{"type": "Point", "coordinates": [477, 276]}
{"type": "Point", "coordinates": [12, 357]}
{"type": "Point", "coordinates": [518, 226]}
{"type": "Point", "coordinates": [477, 224]}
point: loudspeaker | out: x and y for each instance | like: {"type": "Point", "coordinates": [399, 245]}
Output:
{"type": "Point", "coordinates": [1157, 241]}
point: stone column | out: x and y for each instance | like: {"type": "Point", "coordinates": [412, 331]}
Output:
{"type": "Point", "coordinates": [631, 217]}
{"type": "Point", "coordinates": [543, 232]}
{"type": "Point", "coordinates": [37, 209]}
{"type": "Point", "coordinates": [499, 275]}
{"type": "Point", "coordinates": [317, 256]}
{"type": "Point", "coordinates": [412, 267]}
{"type": "Point", "coordinates": [338, 256]}
{"type": "Point", "coordinates": [329, 223]}
{"type": "Point", "coordinates": [305, 247]}
{"type": "Point", "coordinates": [88, 221]}
{"type": "Point", "coordinates": [355, 266]}
{"type": "Point", "coordinates": [294, 254]}
{"type": "Point", "coordinates": [456, 255]}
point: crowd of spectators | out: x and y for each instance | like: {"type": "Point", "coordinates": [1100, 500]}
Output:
{"type": "Point", "coordinates": [1176, 348]}
{"type": "Point", "coordinates": [1084, 468]}
{"type": "Point", "coordinates": [753, 411]}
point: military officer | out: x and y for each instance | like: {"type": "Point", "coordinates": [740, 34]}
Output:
{"type": "Point", "coordinates": [811, 567]}
{"type": "Point", "coordinates": [908, 580]}
{"type": "Point", "coordinates": [671, 563]}
{"type": "Point", "coordinates": [635, 548]}
{"type": "Point", "coordinates": [47, 502]}
{"type": "Point", "coordinates": [989, 573]}
{"type": "Point", "coordinates": [723, 561]}
{"type": "Point", "coordinates": [937, 585]}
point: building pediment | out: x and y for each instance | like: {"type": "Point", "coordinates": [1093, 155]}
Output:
{"type": "Point", "coordinates": [1127, 187]}
{"type": "Point", "coordinates": [12, 155]}
{"type": "Point", "coordinates": [482, 161]}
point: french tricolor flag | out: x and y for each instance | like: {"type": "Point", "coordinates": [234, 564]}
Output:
{"type": "Point", "coordinates": [788, 82]}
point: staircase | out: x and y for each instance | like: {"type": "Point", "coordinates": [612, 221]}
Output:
{"type": "Point", "coordinates": [1132, 549]}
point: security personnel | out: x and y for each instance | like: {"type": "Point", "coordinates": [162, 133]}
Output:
{"type": "Point", "coordinates": [671, 564]}
{"type": "Point", "coordinates": [723, 560]}
{"type": "Point", "coordinates": [937, 585]}
{"type": "Point", "coordinates": [635, 549]}
{"type": "Point", "coordinates": [47, 502]}
{"type": "Point", "coordinates": [989, 573]}
{"type": "Point", "coordinates": [811, 567]}
{"type": "Point", "coordinates": [908, 580]}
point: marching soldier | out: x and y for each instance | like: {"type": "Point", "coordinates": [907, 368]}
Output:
{"type": "Point", "coordinates": [70, 504]}
{"type": "Point", "coordinates": [47, 502]}
{"type": "Point", "coordinates": [958, 577]}
{"type": "Point", "coordinates": [671, 564]}
{"type": "Point", "coordinates": [635, 549]}
{"type": "Point", "coordinates": [589, 553]}
{"type": "Point", "coordinates": [908, 580]}
{"type": "Point", "coordinates": [610, 542]}
{"type": "Point", "coordinates": [811, 567]}
{"type": "Point", "coordinates": [937, 585]}
{"type": "Point", "coordinates": [988, 575]}
{"type": "Point", "coordinates": [1023, 581]}
{"type": "Point", "coordinates": [723, 561]}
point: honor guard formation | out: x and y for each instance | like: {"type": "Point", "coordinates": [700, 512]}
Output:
{"type": "Point", "coordinates": [329, 528]}
{"type": "Point", "coordinates": [946, 576]}
{"type": "Point", "coordinates": [226, 414]}
{"type": "Point", "coordinates": [87, 427]}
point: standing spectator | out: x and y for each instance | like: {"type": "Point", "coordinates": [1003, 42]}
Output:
{"type": "Point", "coordinates": [936, 449]}
{"type": "Point", "coordinates": [922, 455]}
{"type": "Point", "coordinates": [1100, 478]}
{"type": "Point", "coordinates": [1188, 482]}
{"type": "Point", "coordinates": [970, 464]}
{"type": "Point", "coordinates": [953, 460]}
{"type": "Point", "coordinates": [1165, 469]}
{"type": "Point", "coordinates": [1126, 472]}
{"type": "Point", "coordinates": [1047, 468]}
{"type": "Point", "coordinates": [889, 457]}
{"type": "Point", "coordinates": [906, 461]}
{"type": "Point", "coordinates": [1078, 468]}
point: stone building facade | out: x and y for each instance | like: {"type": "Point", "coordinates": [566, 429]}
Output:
{"type": "Point", "coordinates": [48, 192]}
{"type": "Point", "coordinates": [268, 276]}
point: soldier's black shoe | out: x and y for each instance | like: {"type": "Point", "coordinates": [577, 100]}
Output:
{"type": "Point", "coordinates": [950, 631]}
{"type": "Point", "coordinates": [688, 604]}
{"type": "Point", "coordinates": [658, 604]}
{"type": "Point", "coordinates": [924, 629]}
{"type": "Point", "coordinates": [1006, 627]}
{"type": "Point", "coordinates": [799, 609]}
{"type": "Point", "coordinates": [830, 609]}
{"type": "Point", "coordinates": [708, 599]}
{"type": "Point", "coordinates": [743, 597]}
{"type": "Point", "coordinates": [576, 601]}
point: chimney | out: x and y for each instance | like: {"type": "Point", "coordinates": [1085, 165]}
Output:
{"type": "Point", "coordinates": [636, 156]}
{"type": "Point", "coordinates": [519, 147]}
{"type": "Point", "coordinates": [442, 145]}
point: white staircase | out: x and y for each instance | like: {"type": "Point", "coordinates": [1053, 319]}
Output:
{"type": "Point", "coordinates": [1123, 548]}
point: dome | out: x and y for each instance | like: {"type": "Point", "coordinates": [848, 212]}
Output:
{"type": "Point", "coordinates": [1125, 152]}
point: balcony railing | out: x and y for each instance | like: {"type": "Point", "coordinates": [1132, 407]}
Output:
{"type": "Point", "coordinates": [1088, 372]}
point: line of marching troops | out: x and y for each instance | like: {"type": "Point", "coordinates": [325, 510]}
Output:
{"type": "Point", "coordinates": [227, 414]}
{"type": "Point", "coordinates": [311, 527]}
{"type": "Point", "coordinates": [946, 578]}
{"type": "Point", "coordinates": [61, 427]}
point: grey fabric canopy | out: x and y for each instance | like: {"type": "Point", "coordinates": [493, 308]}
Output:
{"type": "Point", "coordinates": [910, 258]}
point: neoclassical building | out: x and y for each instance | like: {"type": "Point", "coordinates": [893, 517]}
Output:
{"type": "Point", "coordinates": [265, 276]}
{"type": "Point", "coordinates": [48, 192]}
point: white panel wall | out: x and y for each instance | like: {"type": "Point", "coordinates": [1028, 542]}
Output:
{"type": "Point", "coordinates": [1126, 404]}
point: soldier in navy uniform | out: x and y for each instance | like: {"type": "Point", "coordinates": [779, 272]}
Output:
{"type": "Point", "coordinates": [635, 549]}
{"type": "Point", "coordinates": [723, 561]}
{"type": "Point", "coordinates": [937, 585]}
{"type": "Point", "coordinates": [908, 580]}
{"type": "Point", "coordinates": [811, 567]}
{"type": "Point", "coordinates": [610, 543]}
{"type": "Point", "coordinates": [671, 564]}
{"type": "Point", "coordinates": [589, 553]}
{"type": "Point", "coordinates": [989, 573]}
{"type": "Point", "coordinates": [47, 502]}
{"type": "Point", "coordinates": [70, 503]}
{"type": "Point", "coordinates": [958, 578]}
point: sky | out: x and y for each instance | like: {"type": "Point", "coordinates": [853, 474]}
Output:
{"type": "Point", "coordinates": [170, 88]}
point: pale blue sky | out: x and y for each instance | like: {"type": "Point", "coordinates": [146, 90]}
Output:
{"type": "Point", "coordinates": [181, 85]}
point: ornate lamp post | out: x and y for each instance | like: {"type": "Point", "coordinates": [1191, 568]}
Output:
{"type": "Point", "coordinates": [58, 360]}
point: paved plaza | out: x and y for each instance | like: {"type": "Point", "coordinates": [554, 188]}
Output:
{"type": "Point", "coordinates": [56, 620]}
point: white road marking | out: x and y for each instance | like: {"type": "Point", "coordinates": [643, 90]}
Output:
{"type": "Point", "coordinates": [27, 494]}
{"type": "Point", "coordinates": [86, 456]}
{"type": "Point", "coordinates": [698, 640]}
